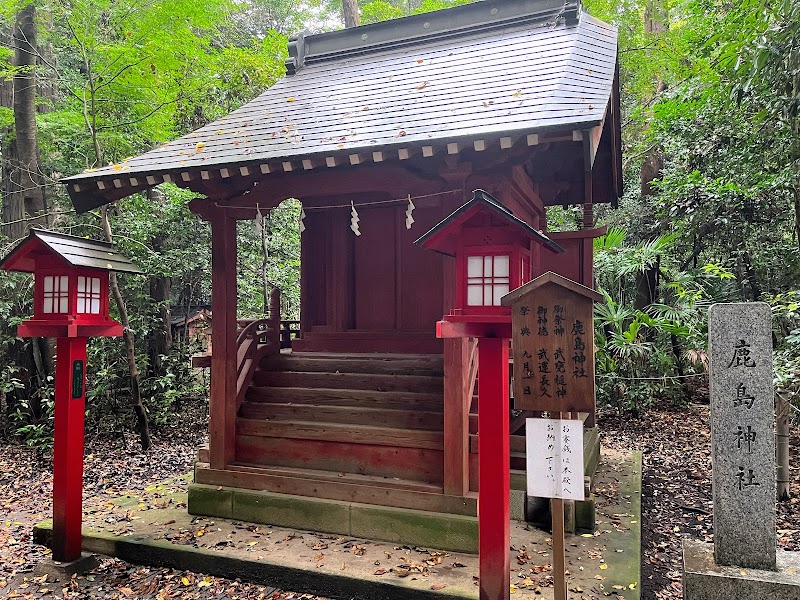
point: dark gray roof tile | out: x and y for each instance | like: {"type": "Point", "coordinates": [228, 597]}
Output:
{"type": "Point", "coordinates": [490, 82]}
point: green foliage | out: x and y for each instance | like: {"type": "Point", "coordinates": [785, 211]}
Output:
{"type": "Point", "coordinates": [383, 10]}
{"type": "Point", "coordinates": [655, 352]}
{"type": "Point", "coordinates": [128, 76]}
{"type": "Point", "coordinates": [380, 10]}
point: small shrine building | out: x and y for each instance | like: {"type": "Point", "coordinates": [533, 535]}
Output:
{"type": "Point", "coordinates": [381, 131]}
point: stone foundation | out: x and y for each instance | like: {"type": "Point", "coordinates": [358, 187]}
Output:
{"type": "Point", "coordinates": [703, 579]}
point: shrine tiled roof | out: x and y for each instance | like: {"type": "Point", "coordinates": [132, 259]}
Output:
{"type": "Point", "coordinates": [480, 71]}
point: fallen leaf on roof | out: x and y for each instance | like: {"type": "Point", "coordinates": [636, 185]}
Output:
{"type": "Point", "coordinates": [290, 99]}
{"type": "Point", "coordinates": [422, 85]}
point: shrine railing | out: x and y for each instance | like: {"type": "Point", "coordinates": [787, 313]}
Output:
{"type": "Point", "coordinates": [290, 330]}
{"type": "Point", "coordinates": [255, 339]}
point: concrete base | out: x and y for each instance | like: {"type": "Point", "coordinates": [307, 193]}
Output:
{"type": "Point", "coordinates": [63, 571]}
{"type": "Point", "coordinates": [703, 579]}
{"type": "Point", "coordinates": [398, 525]}
{"type": "Point", "coordinates": [329, 566]}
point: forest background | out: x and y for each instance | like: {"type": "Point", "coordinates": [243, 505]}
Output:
{"type": "Point", "coordinates": [710, 213]}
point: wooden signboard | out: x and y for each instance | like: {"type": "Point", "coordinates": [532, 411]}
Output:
{"type": "Point", "coordinates": [553, 343]}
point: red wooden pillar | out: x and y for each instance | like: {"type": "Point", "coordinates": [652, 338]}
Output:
{"type": "Point", "coordinates": [222, 400]}
{"type": "Point", "coordinates": [68, 447]}
{"type": "Point", "coordinates": [456, 416]}
{"type": "Point", "coordinates": [494, 527]}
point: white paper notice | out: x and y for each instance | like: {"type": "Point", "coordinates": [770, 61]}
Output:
{"type": "Point", "coordinates": [554, 451]}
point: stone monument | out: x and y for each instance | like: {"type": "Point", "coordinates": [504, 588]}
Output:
{"type": "Point", "coordinates": [744, 561]}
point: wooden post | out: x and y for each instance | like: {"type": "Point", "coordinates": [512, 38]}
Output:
{"type": "Point", "coordinates": [275, 335]}
{"type": "Point", "coordinates": [68, 448]}
{"type": "Point", "coordinates": [782, 446]}
{"type": "Point", "coordinates": [222, 402]}
{"type": "Point", "coordinates": [559, 545]}
{"type": "Point", "coordinates": [559, 554]}
{"type": "Point", "coordinates": [456, 417]}
{"type": "Point", "coordinates": [494, 518]}
{"type": "Point", "coordinates": [588, 223]}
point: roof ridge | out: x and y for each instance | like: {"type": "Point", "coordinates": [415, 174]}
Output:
{"type": "Point", "coordinates": [439, 24]}
{"type": "Point", "coordinates": [35, 231]}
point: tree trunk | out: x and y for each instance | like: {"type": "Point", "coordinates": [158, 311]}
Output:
{"type": "Point", "coordinates": [782, 446]}
{"type": "Point", "coordinates": [25, 193]}
{"type": "Point", "coordinates": [21, 188]}
{"type": "Point", "coordinates": [656, 21]}
{"type": "Point", "coordinates": [795, 155]}
{"type": "Point", "coordinates": [160, 340]}
{"type": "Point", "coordinates": [136, 392]}
{"type": "Point", "coordinates": [350, 12]}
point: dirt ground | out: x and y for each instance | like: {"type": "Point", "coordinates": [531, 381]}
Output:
{"type": "Point", "coordinates": [676, 503]}
{"type": "Point", "coordinates": [676, 489]}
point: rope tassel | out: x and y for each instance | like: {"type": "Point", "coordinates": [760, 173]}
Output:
{"type": "Point", "coordinates": [354, 219]}
{"type": "Point", "coordinates": [409, 210]}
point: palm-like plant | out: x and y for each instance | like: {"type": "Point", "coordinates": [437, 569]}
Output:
{"type": "Point", "coordinates": [652, 351]}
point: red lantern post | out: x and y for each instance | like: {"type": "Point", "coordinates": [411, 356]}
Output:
{"type": "Point", "coordinates": [70, 304]}
{"type": "Point", "coordinates": [492, 249]}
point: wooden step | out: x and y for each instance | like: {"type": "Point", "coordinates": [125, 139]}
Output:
{"type": "Point", "coordinates": [392, 483]}
{"type": "Point", "coordinates": [363, 398]}
{"type": "Point", "coordinates": [417, 464]}
{"type": "Point", "coordinates": [380, 417]}
{"type": "Point", "coordinates": [351, 381]}
{"type": "Point", "coordinates": [384, 364]}
{"type": "Point", "coordinates": [336, 432]}
{"type": "Point", "coordinates": [339, 486]}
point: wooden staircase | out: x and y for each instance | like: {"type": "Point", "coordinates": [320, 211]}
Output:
{"type": "Point", "coordinates": [365, 428]}
{"type": "Point", "coordinates": [378, 416]}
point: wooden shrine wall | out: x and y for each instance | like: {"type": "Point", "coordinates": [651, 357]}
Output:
{"type": "Point", "coordinates": [362, 293]}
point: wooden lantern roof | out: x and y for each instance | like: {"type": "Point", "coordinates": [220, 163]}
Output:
{"type": "Point", "coordinates": [74, 251]}
{"type": "Point", "coordinates": [443, 237]}
{"type": "Point", "coordinates": [483, 74]}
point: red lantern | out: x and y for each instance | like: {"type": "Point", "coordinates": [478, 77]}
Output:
{"type": "Point", "coordinates": [494, 254]}
{"type": "Point", "coordinates": [493, 251]}
{"type": "Point", "coordinates": [70, 284]}
{"type": "Point", "coordinates": [70, 303]}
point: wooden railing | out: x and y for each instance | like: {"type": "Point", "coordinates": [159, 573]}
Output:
{"type": "Point", "coordinates": [255, 339]}
{"type": "Point", "coordinates": [290, 330]}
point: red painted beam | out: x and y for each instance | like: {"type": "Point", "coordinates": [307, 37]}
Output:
{"type": "Point", "coordinates": [494, 529]}
{"type": "Point", "coordinates": [68, 448]}
{"type": "Point", "coordinates": [222, 400]}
